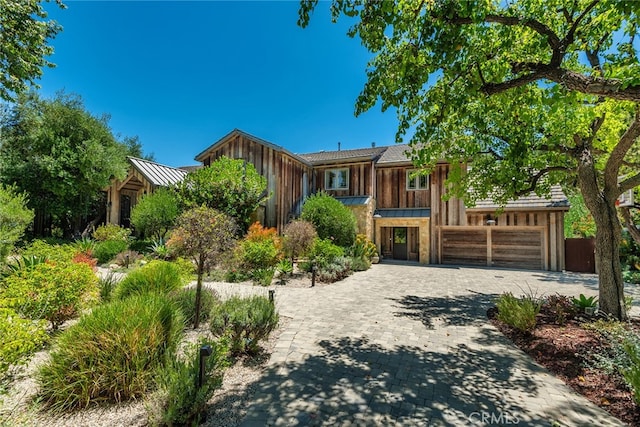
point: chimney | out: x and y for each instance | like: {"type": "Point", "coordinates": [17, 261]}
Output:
{"type": "Point", "coordinates": [373, 144]}
{"type": "Point", "coordinates": [338, 145]}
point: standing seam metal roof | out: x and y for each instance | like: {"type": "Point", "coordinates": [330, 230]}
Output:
{"type": "Point", "coordinates": [157, 174]}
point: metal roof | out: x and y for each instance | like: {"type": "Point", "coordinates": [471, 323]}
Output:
{"type": "Point", "coordinates": [557, 199]}
{"type": "Point", "coordinates": [343, 155]}
{"type": "Point", "coordinates": [404, 213]}
{"type": "Point", "coordinates": [353, 200]}
{"type": "Point", "coordinates": [157, 174]}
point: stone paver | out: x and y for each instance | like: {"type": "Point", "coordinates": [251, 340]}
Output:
{"type": "Point", "coordinates": [411, 345]}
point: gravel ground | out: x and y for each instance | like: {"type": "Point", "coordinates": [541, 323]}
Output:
{"type": "Point", "coordinates": [226, 408]}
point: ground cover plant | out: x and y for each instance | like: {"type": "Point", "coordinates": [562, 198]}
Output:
{"type": "Point", "coordinates": [594, 356]}
{"type": "Point", "coordinates": [19, 339]}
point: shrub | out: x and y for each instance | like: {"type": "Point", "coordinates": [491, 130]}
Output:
{"type": "Point", "coordinates": [24, 262]}
{"type": "Point", "coordinates": [261, 248]}
{"type": "Point", "coordinates": [178, 401]}
{"type": "Point", "coordinates": [324, 252]}
{"type": "Point", "coordinates": [560, 308]}
{"type": "Point", "coordinates": [156, 277]}
{"type": "Point", "coordinates": [363, 248]}
{"type": "Point", "coordinates": [106, 285]}
{"type": "Point", "coordinates": [360, 263]}
{"type": "Point", "coordinates": [285, 269]}
{"type": "Point", "coordinates": [185, 299]}
{"type": "Point", "coordinates": [14, 218]}
{"type": "Point", "coordinates": [85, 246]}
{"type": "Point", "coordinates": [111, 232]}
{"type": "Point", "coordinates": [612, 358]}
{"type": "Point", "coordinates": [52, 252]}
{"type": "Point", "coordinates": [332, 219]}
{"type": "Point", "coordinates": [112, 354]}
{"type": "Point", "coordinates": [52, 291]}
{"type": "Point", "coordinates": [107, 250]}
{"type": "Point", "coordinates": [632, 372]}
{"type": "Point", "coordinates": [583, 302]}
{"type": "Point", "coordinates": [186, 267]}
{"type": "Point", "coordinates": [83, 258]}
{"type": "Point", "coordinates": [155, 213]}
{"type": "Point", "coordinates": [235, 276]}
{"type": "Point", "coordinates": [245, 321]}
{"type": "Point", "coordinates": [263, 276]}
{"type": "Point", "coordinates": [141, 246]}
{"type": "Point", "coordinates": [336, 270]}
{"type": "Point", "coordinates": [298, 238]}
{"type": "Point", "coordinates": [19, 338]}
{"type": "Point", "coordinates": [519, 313]}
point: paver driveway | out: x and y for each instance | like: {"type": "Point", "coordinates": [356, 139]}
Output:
{"type": "Point", "coordinates": [411, 345]}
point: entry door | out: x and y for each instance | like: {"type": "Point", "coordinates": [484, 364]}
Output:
{"type": "Point", "coordinates": [400, 243]}
{"type": "Point", "coordinates": [125, 210]}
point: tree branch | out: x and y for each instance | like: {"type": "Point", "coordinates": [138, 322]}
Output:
{"type": "Point", "coordinates": [536, 178]}
{"type": "Point", "coordinates": [629, 183]}
{"type": "Point", "coordinates": [568, 39]}
{"type": "Point", "coordinates": [628, 222]}
{"type": "Point", "coordinates": [618, 153]}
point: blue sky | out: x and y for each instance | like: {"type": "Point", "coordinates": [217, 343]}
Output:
{"type": "Point", "coordinates": [180, 75]}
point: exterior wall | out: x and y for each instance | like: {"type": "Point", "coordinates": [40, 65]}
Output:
{"type": "Point", "coordinates": [361, 181]}
{"type": "Point", "coordinates": [135, 185]}
{"type": "Point", "coordinates": [423, 233]}
{"type": "Point", "coordinates": [364, 218]}
{"type": "Point", "coordinates": [391, 185]}
{"type": "Point", "coordinates": [287, 178]}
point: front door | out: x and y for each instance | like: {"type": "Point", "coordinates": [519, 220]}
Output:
{"type": "Point", "coordinates": [125, 211]}
{"type": "Point", "coordinates": [400, 243]}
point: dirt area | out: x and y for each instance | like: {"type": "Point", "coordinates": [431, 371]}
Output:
{"type": "Point", "coordinates": [563, 349]}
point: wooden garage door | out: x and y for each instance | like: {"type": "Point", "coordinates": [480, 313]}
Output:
{"type": "Point", "coordinates": [512, 247]}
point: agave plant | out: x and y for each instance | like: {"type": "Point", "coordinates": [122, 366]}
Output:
{"type": "Point", "coordinates": [584, 302]}
{"type": "Point", "coordinates": [23, 263]}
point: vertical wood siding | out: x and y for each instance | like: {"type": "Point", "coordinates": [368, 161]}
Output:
{"type": "Point", "coordinates": [391, 185]}
{"type": "Point", "coordinates": [360, 179]}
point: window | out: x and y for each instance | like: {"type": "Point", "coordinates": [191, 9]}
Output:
{"type": "Point", "coordinates": [336, 179]}
{"type": "Point", "coordinates": [416, 181]}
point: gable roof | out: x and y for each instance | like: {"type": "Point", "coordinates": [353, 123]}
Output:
{"type": "Point", "coordinates": [157, 174]}
{"type": "Point", "coordinates": [321, 157]}
{"type": "Point", "coordinates": [395, 154]}
{"type": "Point", "coordinates": [557, 199]}
{"type": "Point", "coordinates": [237, 132]}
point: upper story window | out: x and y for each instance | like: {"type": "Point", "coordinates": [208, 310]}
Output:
{"type": "Point", "coordinates": [416, 181]}
{"type": "Point", "coordinates": [336, 179]}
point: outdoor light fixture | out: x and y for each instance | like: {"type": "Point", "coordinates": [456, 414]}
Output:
{"type": "Point", "coordinates": [377, 215]}
{"type": "Point", "coordinates": [205, 351]}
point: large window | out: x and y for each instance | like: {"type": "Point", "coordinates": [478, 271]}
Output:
{"type": "Point", "coordinates": [336, 179]}
{"type": "Point", "coordinates": [417, 181]}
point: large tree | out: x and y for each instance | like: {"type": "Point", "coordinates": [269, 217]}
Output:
{"type": "Point", "coordinates": [535, 92]}
{"type": "Point", "coordinates": [62, 156]}
{"type": "Point", "coordinates": [232, 186]}
{"type": "Point", "coordinates": [24, 36]}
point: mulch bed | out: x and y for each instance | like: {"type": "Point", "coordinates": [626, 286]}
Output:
{"type": "Point", "coordinates": [562, 349]}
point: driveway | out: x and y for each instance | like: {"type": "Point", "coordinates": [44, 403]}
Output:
{"type": "Point", "coordinates": [411, 345]}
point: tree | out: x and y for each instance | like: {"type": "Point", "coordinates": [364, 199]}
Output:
{"type": "Point", "coordinates": [332, 220]}
{"type": "Point", "coordinates": [534, 92]}
{"type": "Point", "coordinates": [25, 33]}
{"type": "Point", "coordinates": [14, 218]}
{"type": "Point", "coordinates": [298, 238]}
{"type": "Point", "coordinates": [155, 213]}
{"type": "Point", "coordinates": [232, 186]}
{"type": "Point", "coordinates": [62, 156]}
{"type": "Point", "coordinates": [203, 234]}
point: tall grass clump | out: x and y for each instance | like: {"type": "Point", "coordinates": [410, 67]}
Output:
{"type": "Point", "coordinates": [245, 321]}
{"type": "Point", "coordinates": [519, 313]}
{"type": "Point", "coordinates": [178, 401]}
{"type": "Point", "coordinates": [157, 277]}
{"type": "Point", "coordinates": [185, 299]}
{"type": "Point", "coordinates": [112, 354]}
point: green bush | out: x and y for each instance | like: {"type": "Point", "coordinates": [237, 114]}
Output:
{"type": "Point", "coordinates": [111, 354]}
{"type": "Point", "coordinates": [19, 338]}
{"type": "Point", "coordinates": [53, 252]}
{"type": "Point", "coordinates": [363, 248]}
{"type": "Point", "coordinates": [185, 299]}
{"type": "Point", "coordinates": [332, 219]}
{"type": "Point", "coordinates": [324, 252]}
{"type": "Point", "coordinates": [107, 250]}
{"type": "Point", "coordinates": [519, 313]}
{"type": "Point", "coordinates": [24, 262]}
{"type": "Point", "coordinates": [263, 276]}
{"type": "Point", "coordinates": [632, 373]}
{"type": "Point", "coordinates": [336, 270]}
{"type": "Point", "coordinates": [235, 276]}
{"type": "Point", "coordinates": [160, 277]}
{"type": "Point", "coordinates": [111, 232]}
{"type": "Point", "coordinates": [142, 246]}
{"type": "Point", "coordinates": [613, 358]}
{"type": "Point", "coordinates": [85, 246]}
{"type": "Point", "coordinates": [15, 217]}
{"type": "Point", "coordinates": [245, 321]}
{"type": "Point", "coordinates": [52, 291]}
{"type": "Point", "coordinates": [155, 213]}
{"type": "Point", "coordinates": [360, 263]}
{"type": "Point", "coordinates": [106, 286]}
{"type": "Point", "coordinates": [186, 267]}
{"type": "Point", "coordinates": [178, 401]}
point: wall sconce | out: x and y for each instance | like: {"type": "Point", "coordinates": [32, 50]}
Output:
{"type": "Point", "coordinates": [490, 221]}
{"type": "Point", "coordinates": [377, 215]}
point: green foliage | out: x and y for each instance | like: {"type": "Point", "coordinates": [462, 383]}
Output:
{"type": "Point", "coordinates": [25, 49]}
{"type": "Point", "coordinates": [106, 285]}
{"type": "Point", "coordinates": [111, 232]}
{"type": "Point", "coordinates": [111, 354]}
{"type": "Point", "coordinates": [107, 250]}
{"type": "Point", "coordinates": [178, 401]}
{"type": "Point", "coordinates": [263, 276]}
{"type": "Point", "coordinates": [52, 291]}
{"type": "Point", "coordinates": [245, 321]}
{"type": "Point", "coordinates": [14, 218]}
{"type": "Point", "coordinates": [24, 262]}
{"type": "Point", "coordinates": [19, 338]}
{"type": "Point", "coordinates": [231, 186]}
{"type": "Point", "coordinates": [186, 302]}
{"type": "Point", "coordinates": [142, 246]}
{"type": "Point", "coordinates": [332, 219]}
{"type": "Point", "coordinates": [62, 156]}
{"type": "Point", "coordinates": [298, 238]}
{"type": "Point", "coordinates": [235, 276]}
{"type": "Point", "coordinates": [360, 263]}
{"type": "Point", "coordinates": [52, 252]}
{"type": "Point", "coordinates": [337, 269]}
{"type": "Point", "coordinates": [578, 221]}
{"type": "Point", "coordinates": [363, 248]}
{"type": "Point", "coordinates": [324, 252]}
{"type": "Point", "coordinates": [519, 313]}
{"type": "Point", "coordinates": [632, 373]}
{"type": "Point", "coordinates": [161, 277]}
{"type": "Point", "coordinates": [160, 250]}
{"type": "Point", "coordinates": [155, 213]}
{"type": "Point", "coordinates": [630, 258]}
{"type": "Point", "coordinates": [85, 245]}
{"type": "Point", "coordinates": [584, 302]}
{"type": "Point", "coordinates": [284, 270]}
{"type": "Point", "coordinates": [260, 249]}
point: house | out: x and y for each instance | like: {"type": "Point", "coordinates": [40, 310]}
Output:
{"type": "Point", "coordinates": [401, 211]}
